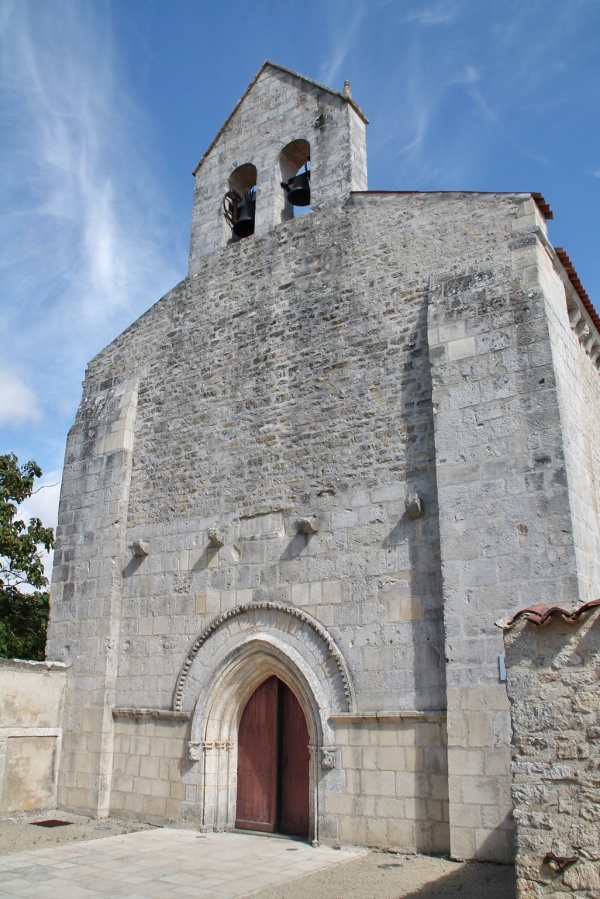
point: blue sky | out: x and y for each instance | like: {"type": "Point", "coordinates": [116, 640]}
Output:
{"type": "Point", "coordinates": [107, 105]}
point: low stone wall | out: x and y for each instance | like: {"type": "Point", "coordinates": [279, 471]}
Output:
{"type": "Point", "coordinates": [31, 704]}
{"type": "Point", "coordinates": [553, 678]}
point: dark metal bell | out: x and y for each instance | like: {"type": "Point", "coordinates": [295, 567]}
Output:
{"type": "Point", "coordinates": [299, 190]}
{"type": "Point", "coordinates": [243, 223]}
{"type": "Point", "coordinates": [243, 216]}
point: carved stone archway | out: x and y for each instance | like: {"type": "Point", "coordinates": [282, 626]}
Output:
{"type": "Point", "coordinates": [227, 663]}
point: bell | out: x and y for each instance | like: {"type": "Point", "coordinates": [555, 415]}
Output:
{"type": "Point", "coordinates": [243, 216]}
{"type": "Point", "coordinates": [299, 190]}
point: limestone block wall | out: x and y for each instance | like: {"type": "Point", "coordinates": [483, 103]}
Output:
{"type": "Point", "coordinates": [31, 707]}
{"type": "Point", "coordinates": [289, 378]}
{"type": "Point", "coordinates": [578, 389]}
{"type": "Point", "coordinates": [505, 527]}
{"type": "Point", "coordinates": [395, 792]}
{"type": "Point", "coordinates": [553, 691]}
{"type": "Point", "coordinates": [147, 768]}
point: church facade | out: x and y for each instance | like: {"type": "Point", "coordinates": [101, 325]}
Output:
{"type": "Point", "coordinates": [301, 488]}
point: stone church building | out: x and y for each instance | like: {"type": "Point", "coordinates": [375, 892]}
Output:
{"type": "Point", "coordinates": [301, 488]}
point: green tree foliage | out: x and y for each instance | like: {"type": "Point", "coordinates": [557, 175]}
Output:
{"type": "Point", "coordinates": [24, 603]}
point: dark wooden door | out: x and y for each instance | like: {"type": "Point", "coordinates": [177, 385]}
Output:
{"type": "Point", "coordinates": [293, 766]}
{"type": "Point", "coordinates": [273, 762]}
{"type": "Point", "coordinates": [257, 760]}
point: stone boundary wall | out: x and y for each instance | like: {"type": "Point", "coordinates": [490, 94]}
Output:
{"type": "Point", "coordinates": [553, 674]}
{"type": "Point", "coordinates": [30, 733]}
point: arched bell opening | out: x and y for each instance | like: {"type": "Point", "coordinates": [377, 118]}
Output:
{"type": "Point", "coordinates": [239, 203]}
{"type": "Point", "coordinates": [216, 724]}
{"type": "Point", "coordinates": [294, 164]}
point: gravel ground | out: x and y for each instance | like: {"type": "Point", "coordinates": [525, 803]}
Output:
{"type": "Point", "coordinates": [376, 875]}
{"type": "Point", "coordinates": [18, 832]}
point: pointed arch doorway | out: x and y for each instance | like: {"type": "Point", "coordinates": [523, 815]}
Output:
{"type": "Point", "coordinates": [273, 762]}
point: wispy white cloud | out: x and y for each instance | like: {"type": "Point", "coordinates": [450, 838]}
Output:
{"type": "Point", "coordinates": [18, 402]}
{"type": "Point", "coordinates": [434, 13]}
{"type": "Point", "coordinates": [87, 240]}
{"type": "Point", "coordinates": [469, 78]}
{"type": "Point", "coordinates": [346, 17]}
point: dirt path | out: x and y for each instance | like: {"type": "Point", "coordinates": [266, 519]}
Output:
{"type": "Point", "coordinates": [376, 875]}
{"type": "Point", "coordinates": [381, 875]}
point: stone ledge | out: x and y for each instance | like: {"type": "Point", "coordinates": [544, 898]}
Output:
{"type": "Point", "coordinates": [155, 714]}
{"type": "Point", "coordinates": [33, 666]}
{"type": "Point", "coordinates": [433, 716]}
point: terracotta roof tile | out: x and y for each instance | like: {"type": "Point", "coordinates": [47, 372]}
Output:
{"type": "Point", "coordinates": [541, 614]}
{"type": "Point", "coordinates": [579, 288]}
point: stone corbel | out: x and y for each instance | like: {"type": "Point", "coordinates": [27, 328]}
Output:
{"type": "Point", "coordinates": [307, 525]}
{"type": "Point", "coordinates": [216, 538]}
{"type": "Point", "coordinates": [414, 506]}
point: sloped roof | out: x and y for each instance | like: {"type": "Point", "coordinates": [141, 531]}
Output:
{"type": "Point", "coordinates": [273, 65]}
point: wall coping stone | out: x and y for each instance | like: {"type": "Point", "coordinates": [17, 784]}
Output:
{"type": "Point", "coordinates": [25, 664]}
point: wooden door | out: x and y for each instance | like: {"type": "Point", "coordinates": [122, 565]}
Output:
{"type": "Point", "coordinates": [294, 760]}
{"type": "Point", "coordinates": [257, 760]}
{"type": "Point", "coordinates": [273, 762]}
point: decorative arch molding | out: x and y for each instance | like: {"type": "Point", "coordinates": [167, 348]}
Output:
{"type": "Point", "coordinates": [221, 681]}
{"type": "Point", "coordinates": [294, 626]}
{"type": "Point", "coordinates": [239, 669]}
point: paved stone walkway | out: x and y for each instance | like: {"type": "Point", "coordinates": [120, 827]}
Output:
{"type": "Point", "coordinates": [163, 863]}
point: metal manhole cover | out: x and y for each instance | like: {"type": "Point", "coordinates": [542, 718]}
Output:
{"type": "Point", "coordinates": [51, 822]}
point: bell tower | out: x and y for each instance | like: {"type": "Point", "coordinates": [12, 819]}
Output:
{"type": "Point", "coordinates": [289, 143]}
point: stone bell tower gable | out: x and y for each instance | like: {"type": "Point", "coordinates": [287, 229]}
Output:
{"type": "Point", "coordinates": [279, 108]}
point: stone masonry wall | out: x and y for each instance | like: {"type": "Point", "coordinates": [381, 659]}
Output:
{"type": "Point", "coordinates": [147, 769]}
{"type": "Point", "coordinates": [578, 389]}
{"type": "Point", "coordinates": [289, 377]}
{"type": "Point", "coordinates": [506, 532]}
{"type": "Point", "coordinates": [553, 689]}
{"type": "Point", "coordinates": [396, 786]}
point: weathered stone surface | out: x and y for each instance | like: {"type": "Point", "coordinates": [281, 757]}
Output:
{"type": "Point", "coordinates": [31, 707]}
{"type": "Point", "coordinates": [553, 690]}
{"type": "Point", "coordinates": [326, 370]}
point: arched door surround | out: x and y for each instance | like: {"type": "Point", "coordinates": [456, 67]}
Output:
{"type": "Point", "coordinates": [226, 664]}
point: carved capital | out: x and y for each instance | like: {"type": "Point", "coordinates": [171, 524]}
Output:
{"type": "Point", "coordinates": [328, 757]}
{"type": "Point", "coordinates": [195, 750]}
